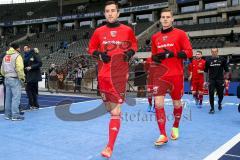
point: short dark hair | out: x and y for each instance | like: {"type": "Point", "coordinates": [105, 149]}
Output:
{"type": "Point", "coordinates": [110, 3]}
{"type": "Point", "coordinates": [199, 52]}
{"type": "Point", "coordinates": [166, 10]}
{"type": "Point", "coordinates": [214, 48]}
{"type": "Point", "coordinates": [28, 45]}
{"type": "Point", "coordinates": [15, 46]}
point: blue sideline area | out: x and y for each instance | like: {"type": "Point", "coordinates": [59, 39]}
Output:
{"type": "Point", "coordinates": [43, 135]}
{"type": "Point", "coordinates": [53, 100]}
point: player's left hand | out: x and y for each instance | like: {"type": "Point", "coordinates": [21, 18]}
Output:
{"type": "Point", "coordinates": [182, 55]}
{"type": "Point", "coordinates": [199, 71]}
{"type": "Point", "coordinates": [128, 55]}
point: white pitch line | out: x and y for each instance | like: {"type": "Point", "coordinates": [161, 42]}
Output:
{"type": "Point", "coordinates": [224, 148]}
{"type": "Point", "coordinates": [231, 155]}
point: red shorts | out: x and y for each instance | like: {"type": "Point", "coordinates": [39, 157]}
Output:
{"type": "Point", "coordinates": [197, 85]}
{"type": "Point", "coordinates": [112, 89]}
{"type": "Point", "coordinates": [169, 84]}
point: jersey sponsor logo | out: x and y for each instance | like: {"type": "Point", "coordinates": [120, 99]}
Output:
{"type": "Point", "coordinates": [111, 45]}
{"type": "Point", "coordinates": [113, 33]}
{"type": "Point", "coordinates": [164, 38]}
{"type": "Point", "coordinates": [111, 42]}
{"type": "Point", "coordinates": [165, 45]}
{"type": "Point", "coordinates": [214, 64]}
{"type": "Point", "coordinates": [7, 58]}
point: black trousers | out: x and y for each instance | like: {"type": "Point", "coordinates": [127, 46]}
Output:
{"type": "Point", "coordinates": [219, 86]}
{"type": "Point", "coordinates": [78, 82]}
{"type": "Point", "coordinates": [32, 93]}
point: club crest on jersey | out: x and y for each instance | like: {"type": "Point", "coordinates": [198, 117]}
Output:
{"type": "Point", "coordinates": [113, 33]}
{"type": "Point", "coordinates": [164, 38]}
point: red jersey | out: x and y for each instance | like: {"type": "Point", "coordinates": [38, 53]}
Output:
{"type": "Point", "coordinates": [115, 41]}
{"type": "Point", "coordinates": [174, 40]}
{"type": "Point", "coordinates": [194, 67]}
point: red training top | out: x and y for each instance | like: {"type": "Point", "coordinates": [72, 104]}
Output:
{"type": "Point", "coordinates": [194, 67]}
{"type": "Point", "coordinates": [174, 40]}
{"type": "Point", "coordinates": [115, 41]}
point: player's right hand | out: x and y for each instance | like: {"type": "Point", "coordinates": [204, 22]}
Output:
{"type": "Point", "coordinates": [156, 59]}
{"type": "Point", "coordinates": [104, 57]}
{"type": "Point", "coordinates": [162, 55]}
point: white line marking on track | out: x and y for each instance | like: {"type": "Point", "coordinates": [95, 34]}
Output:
{"type": "Point", "coordinates": [224, 148]}
{"type": "Point", "coordinates": [231, 155]}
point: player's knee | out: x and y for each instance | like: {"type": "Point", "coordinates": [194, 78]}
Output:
{"type": "Point", "coordinates": [115, 111]}
{"type": "Point", "coordinates": [177, 103]}
{"type": "Point", "coordinates": [159, 105]}
{"type": "Point", "coordinates": [159, 100]}
{"type": "Point", "coordinates": [116, 115]}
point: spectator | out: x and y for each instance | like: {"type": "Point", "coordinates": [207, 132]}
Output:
{"type": "Point", "coordinates": [13, 70]}
{"type": "Point", "coordinates": [51, 49]}
{"type": "Point", "coordinates": [2, 89]}
{"type": "Point", "coordinates": [78, 77]}
{"type": "Point", "coordinates": [32, 65]}
{"type": "Point", "coordinates": [231, 36]}
{"type": "Point", "coordinates": [28, 39]}
{"type": "Point", "coordinates": [52, 78]}
{"type": "Point", "coordinates": [65, 44]}
{"type": "Point", "coordinates": [74, 37]}
{"type": "Point", "coordinates": [60, 76]}
{"type": "Point", "coordinates": [1, 59]}
{"type": "Point", "coordinates": [69, 55]}
{"type": "Point", "coordinates": [233, 21]}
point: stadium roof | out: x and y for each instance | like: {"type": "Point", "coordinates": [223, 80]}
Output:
{"type": "Point", "coordinates": [19, 1]}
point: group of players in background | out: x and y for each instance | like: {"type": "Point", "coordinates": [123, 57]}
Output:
{"type": "Point", "coordinates": [114, 45]}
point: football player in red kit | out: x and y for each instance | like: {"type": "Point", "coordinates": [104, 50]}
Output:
{"type": "Point", "coordinates": [170, 47]}
{"type": "Point", "coordinates": [197, 77]}
{"type": "Point", "coordinates": [113, 45]}
{"type": "Point", "coordinates": [147, 66]}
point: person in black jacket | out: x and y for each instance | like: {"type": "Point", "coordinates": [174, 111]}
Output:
{"type": "Point", "coordinates": [32, 65]}
{"type": "Point", "coordinates": [1, 59]}
{"type": "Point", "coordinates": [2, 54]}
{"type": "Point", "coordinates": [215, 67]}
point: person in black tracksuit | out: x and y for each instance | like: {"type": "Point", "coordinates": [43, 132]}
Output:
{"type": "Point", "coordinates": [215, 67]}
{"type": "Point", "coordinates": [32, 65]}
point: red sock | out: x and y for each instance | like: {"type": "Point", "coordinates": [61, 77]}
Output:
{"type": "Point", "coordinates": [226, 92]}
{"type": "Point", "coordinates": [200, 97]}
{"type": "Point", "coordinates": [161, 120]}
{"type": "Point", "coordinates": [114, 126]}
{"type": "Point", "coordinates": [195, 96]}
{"type": "Point", "coordinates": [177, 115]}
{"type": "Point", "coordinates": [150, 101]}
